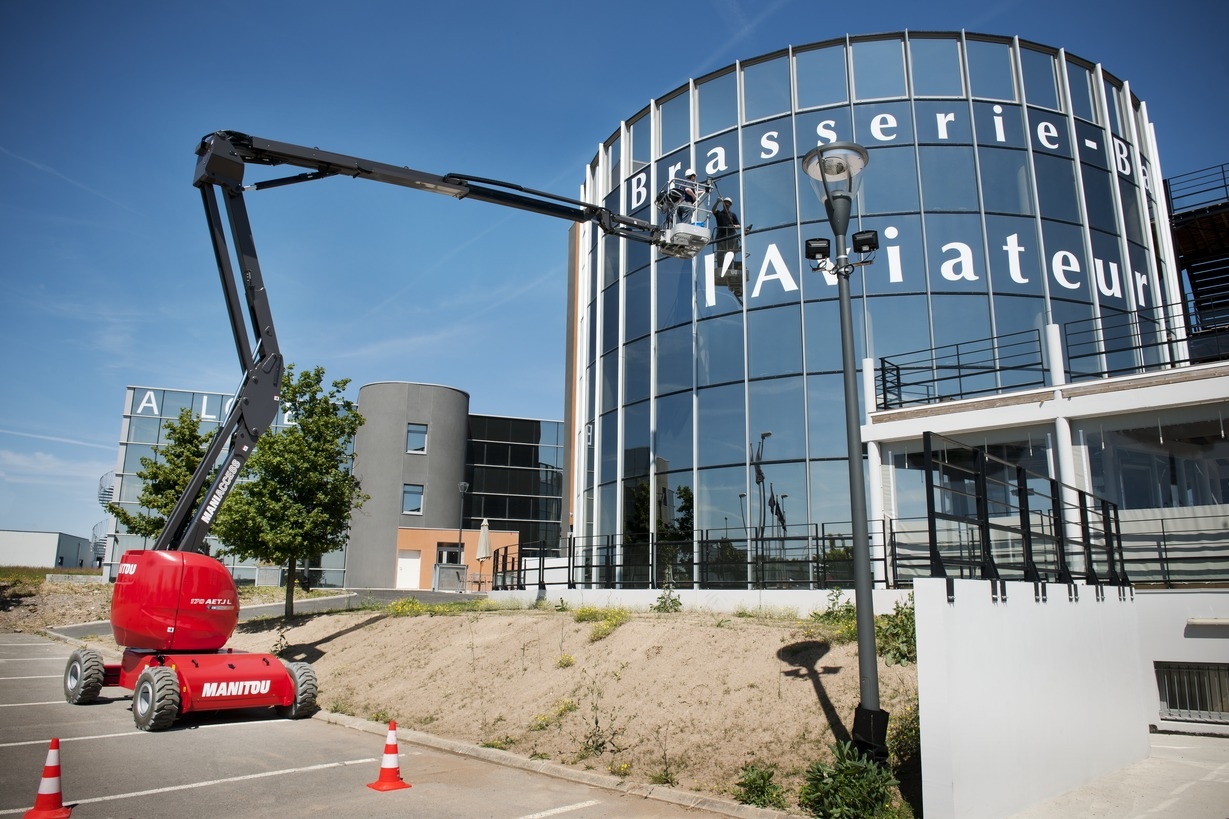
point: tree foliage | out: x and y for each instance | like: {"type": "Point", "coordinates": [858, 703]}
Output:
{"type": "Point", "coordinates": [293, 502]}
{"type": "Point", "coordinates": [166, 477]}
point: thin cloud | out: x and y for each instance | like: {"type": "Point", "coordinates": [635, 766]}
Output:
{"type": "Point", "coordinates": [41, 468]}
{"type": "Point", "coordinates": [56, 439]}
{"type": "Point", "coordinates": [38, 166]}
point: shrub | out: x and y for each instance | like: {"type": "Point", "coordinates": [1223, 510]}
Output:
{"type": "Point", "coordinates": [667, 602]}
{"type": "Point", "coordinates": [896, 634]}
{"type": "Point", "coordinates": [904, 735]}
{"type": "Point", "coordinates": [851, 786]}
{"type": "Point", "coordinates": [755, 787]}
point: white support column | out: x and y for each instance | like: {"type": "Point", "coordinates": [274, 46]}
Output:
{"type": "Point", "coordinates": [874, 479]}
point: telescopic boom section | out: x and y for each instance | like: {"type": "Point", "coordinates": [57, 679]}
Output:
{"type": "Point", "coordinates": [221, 160]}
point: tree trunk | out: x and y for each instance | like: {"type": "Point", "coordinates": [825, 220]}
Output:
{"type": "Point", "coordinates": [290, 572]}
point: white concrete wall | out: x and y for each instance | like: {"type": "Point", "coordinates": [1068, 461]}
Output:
{"type": "Point", "coordinates": [1022, 700]}
{"type": "Point", "coordinates": [773, 601]}
{"type": "Point", "coordinates": [1166, 634]}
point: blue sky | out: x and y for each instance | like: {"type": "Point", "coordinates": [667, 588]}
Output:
{"type": "Point", "coordinates": [106, 275]}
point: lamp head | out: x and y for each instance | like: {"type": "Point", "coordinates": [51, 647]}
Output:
{"type": "Point", "coordinates": [817, 249]}
{"type": "Point", "coordinates": [836, 166]}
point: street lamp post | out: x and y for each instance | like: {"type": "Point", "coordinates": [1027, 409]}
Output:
{"type": "Point", "coordinates": [462, 488]}
{"type": "Point", "coordinates": [834, 170]}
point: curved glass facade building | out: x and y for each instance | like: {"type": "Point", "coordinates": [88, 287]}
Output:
{"type": "Point", "coordinates": [1012, 185]}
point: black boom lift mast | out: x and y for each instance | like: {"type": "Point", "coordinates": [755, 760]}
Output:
{"type": "Point", "coordinates": [221, 161]}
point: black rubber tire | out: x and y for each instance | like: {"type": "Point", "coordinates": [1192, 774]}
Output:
{"type": "Point", "coordinates": [304, 678]}
{"type": "Point", "coordinates": [155, 700]}
{"type": "Point", "coordinates": [83, 676]}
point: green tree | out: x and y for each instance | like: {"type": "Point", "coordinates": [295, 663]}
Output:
{"type": "Point", "coordinates": [293, 504]}
{"type": "Point", "coordinates": [166, 477]}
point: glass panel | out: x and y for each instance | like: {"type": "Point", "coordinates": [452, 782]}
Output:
{"type": "Point", "coordinates": [777, 406]}
{"type": "Point", "coordinates": [1040, 78]}
{"type": "Point", "coordinates": [609, 444]}
{"type": "Point", "coordinates": [146, 402]}
{"type": "Point", "coordinates": [674, 431]}
{"type": "Point", "coordinates": [821, 76]}
{"type": "Point", "coordinates": [720, 504]}
{"type": "Point", "coordinates": [636, 304]}
{"type": "Point", "coordinates": [1099, 199]}
{"type": "Point", "coordinates": [830, 491]}
{"type": "Point", "coordinates": [411, 499]}
{"type": "Point", "coordinates": [775, 266]}
{"type": "Point", "coordinates": [636, 371]}
{"type": "Point", "coordinates": [1067, 263]}
{"type": "Point", "coordinates": [636, 440]}
{"type": "Point", "coordinates": [999, 125]}
{"type": "Point", "coordinates": [883, 124]}
{"type": "Point", "coordinates": [614, 162]}
{"type": "Point", "coordinates": [900, 264]}
{"type": "Point", "coordinates": [774, 341]}
{"type": "Point", "coordinates": [641, 141]}
{"type": "Point", "coordinates": [943, 122]}
{"type": "Point", "coordinates": [1049, 133]}
{"type": "Point", "coordinates": [717, 101]}
{"type": "Point", "coordinates": [675, 117]}
{"type": "Point", "coordinates": [949, 181]}
{"type": "Point", "coordinates": [1091, 145]}
{"type": "Point", "coordinates": [959, 319]}
{"type": "Point", "coordinates": [721, 425]}
{"type": "Point", "coordinates": [1015, 257]}
{"type": "Point", "coordinates": [990, 72]}
{"type": "Point", "coordinates": [1056, 191]}
{"type": "Point", "coordinates": [717, 156]}
{"type": "Point", "coordinates": [954, 254]}
{"type": "Point", "coordinates": [674, 360]}
{"type": "Point", "coordinates": [610, 259]}
{"type": "Point", "coordinates": [719, 358]}
{"type": "Point", "coordinates": [143, 430]}
{"type": "Point", "coordinates": [767, 141]}
{"type": "Point", "coordinates": [826, 415]}
{"type": "Point", "coordinates": [766, 88]}
{"type": "Point", "coordinates": [610, 318]}
{"type": "Point", "coordinates": [936, 68]}
{"type": "Point", "coordinates": [1133, 210]}
{"type": "Point", "coordinates": [610, 381]}
{"type": "Point", "coordinates": [1110, 274]}
{"type": "Point", "coordinates": [415, 437]}
{"type": "Point", "coordinates": [878, 69]}
{"type": "Point", "coordinates": [175, 400]}
{"type": "Point", "coordinates": [899, 324]}
{"type": "Point", "coordinates": [823, 335]}
{"type": "Point", "coordinates": [133, 453]}
{"type": "Point", "coordinates": [769, 196]}
{"type": "Point", "coordinates": [673, 292]}
{"type": "Point", "coordinates": [1005, 180]}
{"type": "Point", "coordinates": [890, 181]}
{"type": "Point", "coordinates": [1083, 102]}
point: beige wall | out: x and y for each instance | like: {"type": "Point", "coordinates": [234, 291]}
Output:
{"type": "Point", "coordinates": [426, 541]}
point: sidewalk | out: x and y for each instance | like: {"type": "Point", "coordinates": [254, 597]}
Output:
{"type": "Point", "coordinates": [1186, 776]}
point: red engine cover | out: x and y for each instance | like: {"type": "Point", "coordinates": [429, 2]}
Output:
{"type": "Point", "coordinates": [173, 601]}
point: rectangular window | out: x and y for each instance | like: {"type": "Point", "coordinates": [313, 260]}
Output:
{"type": "Point", "coordinates": [415, 437]}
{"type": "Point", "coordinates": [411, 499]}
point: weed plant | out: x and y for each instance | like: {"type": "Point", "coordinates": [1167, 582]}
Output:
{"type": "Point", "coordinates": [755, 787]}
{"type": "Point", "coordinates": [852, 786]}
{"type": "Point", "coordinates": [896, 634]}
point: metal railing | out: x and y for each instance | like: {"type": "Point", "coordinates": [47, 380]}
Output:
{"type": "Point", "coordinates": [964, 370]}
{"type": "Point", "coordinates": [991, 519]}
{"type": "Point", "coordinates": [1198, 189]}
{"type": "Point", "coordinates": [1193, 692]}
{"type": "Point", "coordinates": [810, 556]}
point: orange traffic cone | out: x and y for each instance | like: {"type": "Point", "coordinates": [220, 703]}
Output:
{"type": "Point", "coordinates": [390, 767]}
{"type": "Point", "coordinates": [49, 803]}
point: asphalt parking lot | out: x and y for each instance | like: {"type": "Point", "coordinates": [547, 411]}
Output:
{"type": "Point", "coordinates": [250, 763]}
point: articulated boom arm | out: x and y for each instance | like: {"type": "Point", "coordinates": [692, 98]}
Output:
{"type": "Point", "coordinates": [221, 161]}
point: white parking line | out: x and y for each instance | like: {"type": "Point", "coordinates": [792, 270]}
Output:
{"type": "Point", "coordinates": [564, 809]}
{"type": "Point", "coordinates": [23, 704]}
{"type": "Point", "coordinates": [31, 659]}
{"type": "Point", "coordinates": [39, 677]}
{"type": "Point", "coordinates": [73, 739]}
{"type": "Point", "coordinates": [210, 783]}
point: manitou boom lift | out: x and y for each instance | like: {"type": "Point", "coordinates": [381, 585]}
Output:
{"type": "Point", "coordinates": [173, 607]}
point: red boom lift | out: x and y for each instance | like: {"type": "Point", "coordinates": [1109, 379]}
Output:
{"type": "Point", "coordinates": [174, 607]}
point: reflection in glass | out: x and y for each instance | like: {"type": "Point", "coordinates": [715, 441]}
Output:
{"type": "Point", "coordinates": [767, 142]}
{"type": "Point", "coordinates": [766, 88]}
{"type": "Point", "coordinates": [777, 406]}
{"type": "Point", "coordinates": [1083, 103]}
{"type": "Point", "coordinates": [1005, 181]}
{"type": "Point", "coordinates": [821, 76]}
{"type": "Point", "coordinates": [878, 69]}
{"type": "Point", "coordinates": [774, 339]}
{"type": "Point", "coordinates": [936, 68]}
{"type": "Point", "coordinates": [949, 180]}
{"type": "Point", "coordinates": [636, 370]}
{"type": "Point", "coordinates": [768, 196]}
{"type": "Point", "coordinates": [143, 430]}
{"type": "Point", "coordinates": [673, 435]}
{"type": "Point", "coordinates": [890, 183]}
{"type": "Point", "coordinates": [1056, 193]}
{"type": "Point", "coordinates": [898, 324]}
{"type": "Point", "coordinates": [675, 117]}
{"type": "Point", "coordinates": [1040, 79]}
{"type": "Point", "coordinates": [721, 423]}
{"type": "Point", "coordinates": [990, 71]}
{"type": "Point", "coordinates": [674, 360]}
{"type": "Point", "coordinates": [719, 358]}
{"type": "Point", "coordinates": [673, 292]}
{"type": "Point", "coordinates": [717, 100]}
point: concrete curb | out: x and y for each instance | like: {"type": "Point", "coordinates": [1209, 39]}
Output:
{"type": "Point", "coordinates": [686, 799]}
